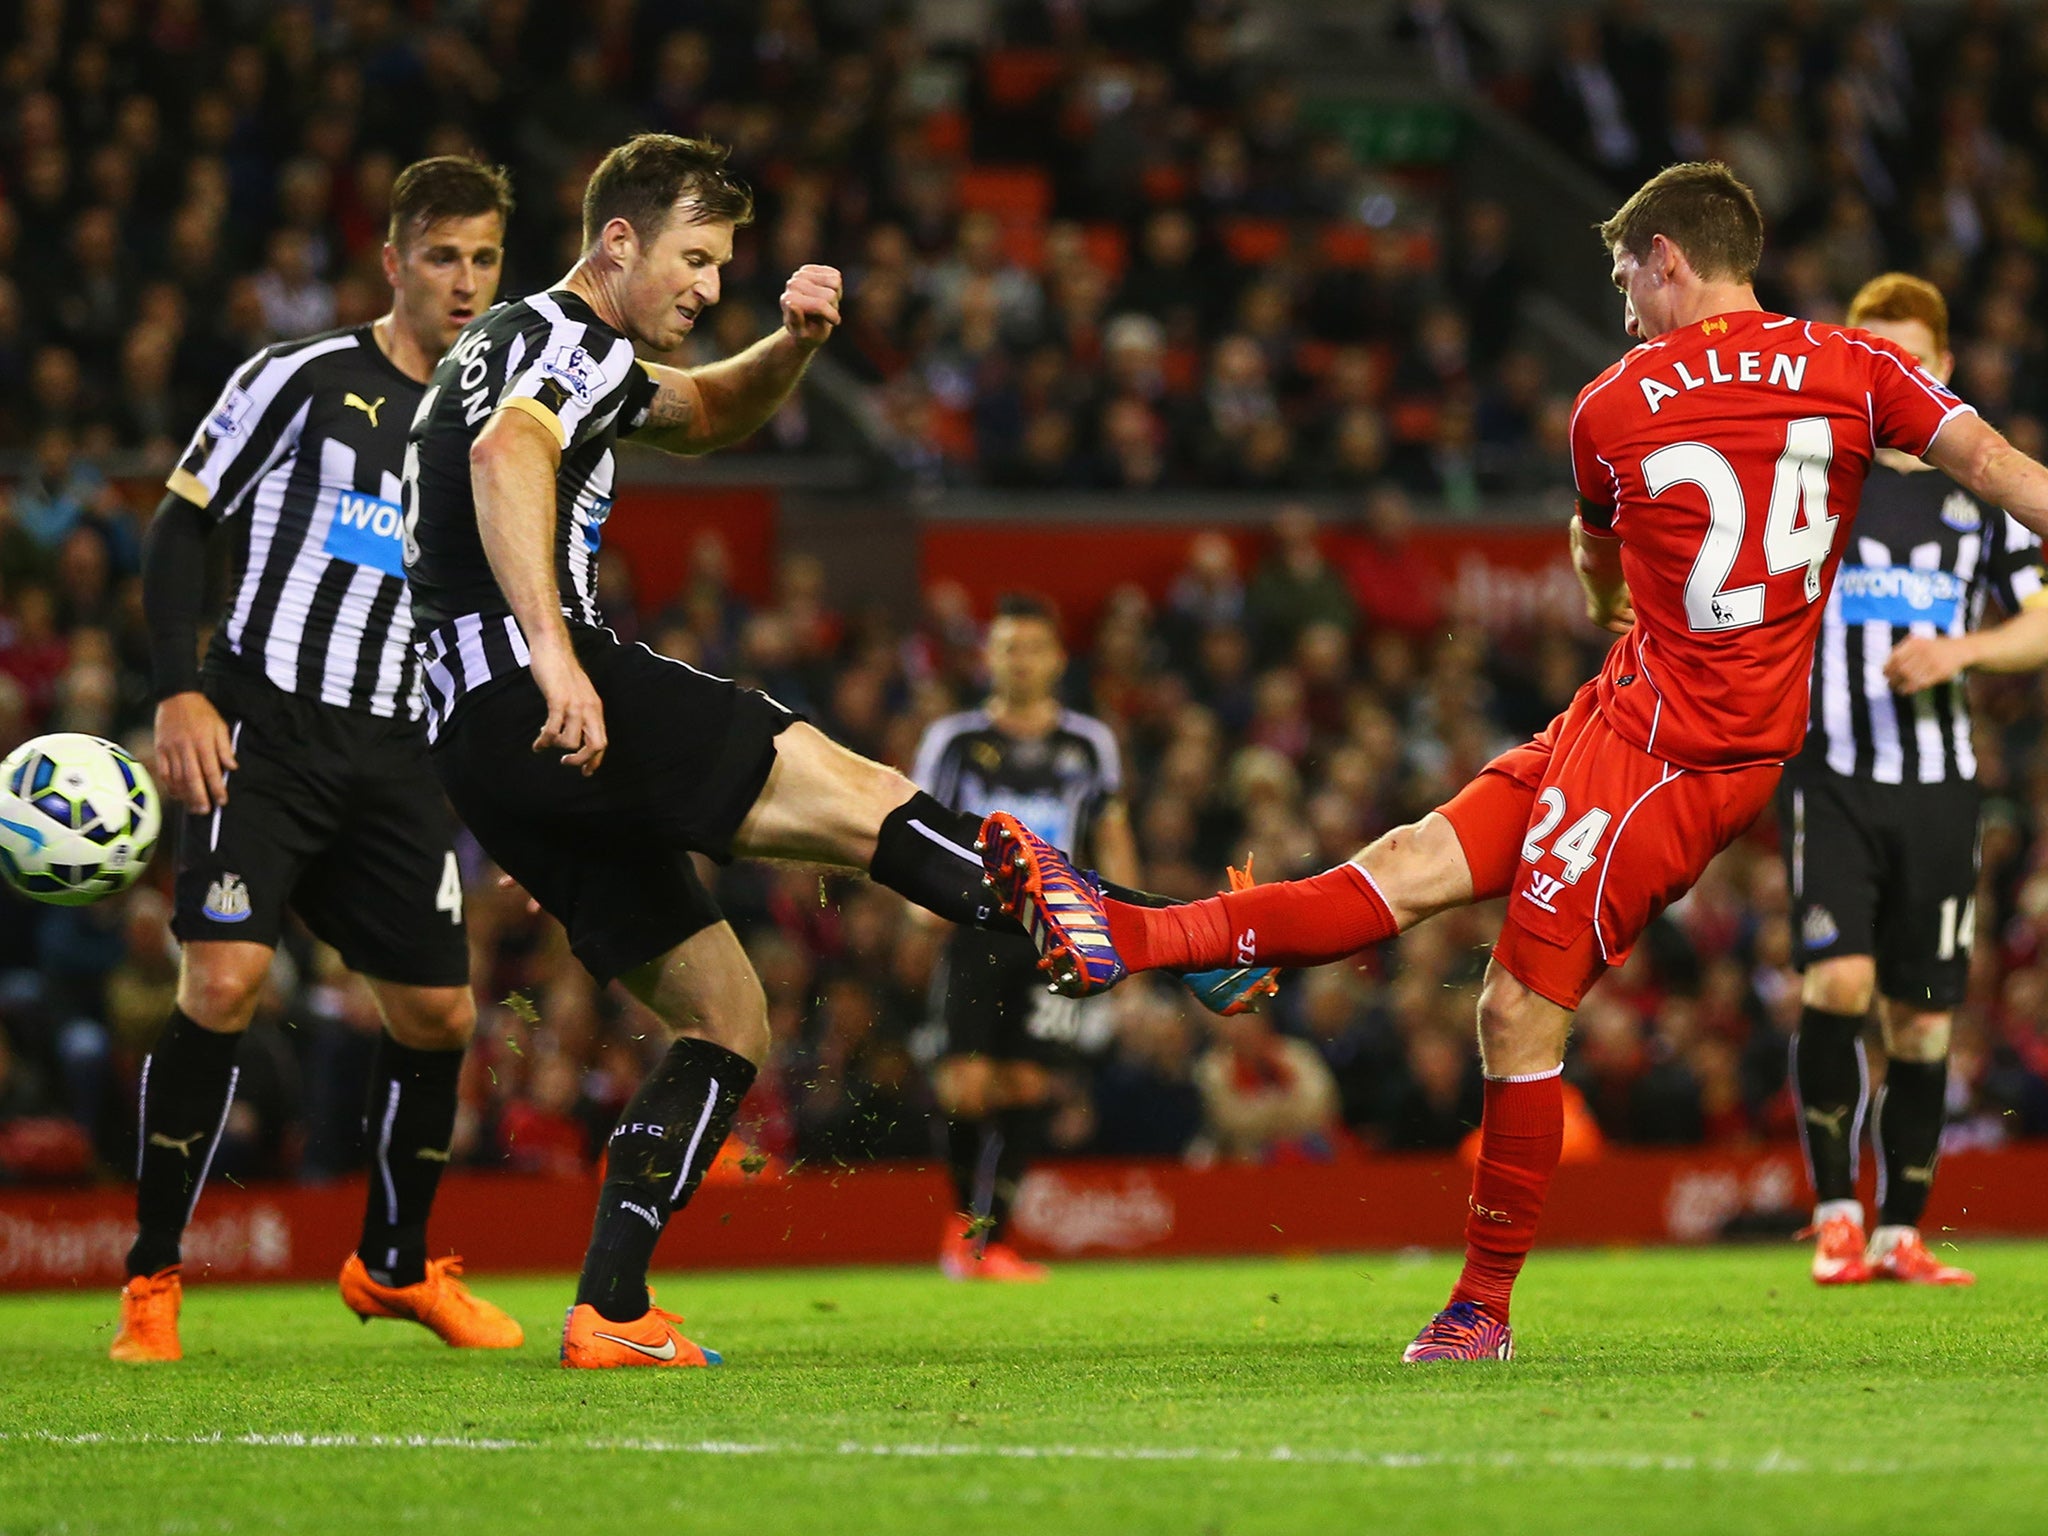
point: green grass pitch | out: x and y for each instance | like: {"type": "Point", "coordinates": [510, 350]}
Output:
{"type": "Point", "coordinates": [1713, 1391]}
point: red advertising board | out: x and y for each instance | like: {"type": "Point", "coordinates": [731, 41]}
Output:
{"type": "Point", "coordinates": [893, 1215]}
{"type": "Point", "coordinates": [1503, 576]}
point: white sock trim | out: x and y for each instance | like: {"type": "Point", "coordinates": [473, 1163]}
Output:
{"type": "Point", "coordinates": [1528, 1077]}
{"type": "Point", "coordinates": [1885, 1239]}
{"type": "Point", "coordinates": [1828, 1210]}
{"type": "Point", "coordinates": [1367, 874]}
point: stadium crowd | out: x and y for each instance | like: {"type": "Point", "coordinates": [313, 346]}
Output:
{"type": "Point", "coordinates": [1199, 290]}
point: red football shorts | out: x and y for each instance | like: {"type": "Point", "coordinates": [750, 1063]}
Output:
{"type": "Point", "coordinates": [1590, 837]}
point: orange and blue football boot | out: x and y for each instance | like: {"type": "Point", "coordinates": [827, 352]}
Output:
{"type": "Point", "coordinates": [1234, 989]}
{"type": "Point", "coordinates": [440, 1303]}
{"type": "Point", "coordinates": [1060, 906]}
{"type": "Point", "coordinates": [593, 1342]}
{"type": "Point", "coordinates": [149, 1318]}
{"type": "Point", "coordinates": [1462, 1331]}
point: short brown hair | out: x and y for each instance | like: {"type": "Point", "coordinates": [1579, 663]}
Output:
{"type": "Point", "coordinates": [446, 187]}
{"type": "Point", "coordinates": [1902, 296]}
{"type": "Point", "coordinates": [643, 179]}
{"type": "Point", "coordinates": [1701, 207]}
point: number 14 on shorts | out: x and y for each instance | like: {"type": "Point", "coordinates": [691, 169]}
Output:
{"type": "Point", "coordinates": [1578, 849]}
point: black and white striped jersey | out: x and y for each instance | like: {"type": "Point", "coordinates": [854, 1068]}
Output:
{"type": "Point", "coordinates": [1922, 560]}
{"type": "Point", "coordinates": [550, 356]}
{"type": "Point", "coordinates": [301, 455]}
{"type": "Point", "coordinates": [1056, 784]}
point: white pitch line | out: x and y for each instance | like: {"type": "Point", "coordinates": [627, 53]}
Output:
{"type": "Point", "coordinates": [1772, 1463]}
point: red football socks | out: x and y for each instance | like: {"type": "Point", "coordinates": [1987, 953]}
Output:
{"type": "Point", "coordinates": [1521, 1135]}
{"type": "Point", "coordinates": [1298, 922]}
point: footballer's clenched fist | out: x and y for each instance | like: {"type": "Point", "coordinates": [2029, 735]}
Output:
{"type": "Point", "coordinates": [810, 303]}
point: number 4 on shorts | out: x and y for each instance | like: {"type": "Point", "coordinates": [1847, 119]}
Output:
{"type": "Point", "coordinates": [449, 897]}
{"type": "Point", "coordinates": [1579, 849]}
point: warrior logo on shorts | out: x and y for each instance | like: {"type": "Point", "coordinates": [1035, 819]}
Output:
{"type": "Point", "coordinates": [227, 900]}
{"type": "Point", "coordinates": [1818, 928]}
{"type": "Point", "coordinates": [1543, 890]}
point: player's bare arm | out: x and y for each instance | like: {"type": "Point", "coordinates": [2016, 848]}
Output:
{"type": "Point", "coordinates": [2020, 644]}
{"type": "Point", "coordinates": [698, 410]}
{"type": "Point", "coordinates": [1975, 454]}
{"type": "Point", "coordinates": [512, 467]}
{"type": "Point", "coordinates": [1596, 560]}
{"type": "Point", "coordinates": [195, 751]}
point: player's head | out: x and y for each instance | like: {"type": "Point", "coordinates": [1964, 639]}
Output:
{"type": "Point", "coordinates": [1910, 311]}
{"type": "Point", "coordinates": [445, 249]}
{"type": "Point", "coordinates": [658, 221]}
{"type": "Point", "coordinates": [1025, 657]}
{"type": "Point", "coordinates": [1688, 227]}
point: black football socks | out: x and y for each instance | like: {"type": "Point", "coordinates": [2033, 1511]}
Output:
{"type": "Point", "coordinates": [1020, 1133]}
{"type": "Point", "coordinates": [188, 1082]}
{"type": "Point", "coordinates": [665, 1139]}
{"type": "Point", "coordinates": [408, 1124]}
{"type": "Point", "coordinates": [966, 1140]}
{"type": "Point", "coordinates": [1828, 1075]}
{"type": "Point", "coordinates": [926, 853]}
{"type": "Point", "coordinates": [1907, 1125]}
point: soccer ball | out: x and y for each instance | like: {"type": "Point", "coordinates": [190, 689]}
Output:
{"type": "Point", "coordinates": [78, 819]}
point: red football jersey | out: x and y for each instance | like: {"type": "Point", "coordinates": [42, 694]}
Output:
{"type": "Point", "coordinates": [1731, 454]}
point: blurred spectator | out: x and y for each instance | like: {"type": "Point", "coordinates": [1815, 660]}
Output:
{"type": "Point", "coordinates": [1265, 1097]}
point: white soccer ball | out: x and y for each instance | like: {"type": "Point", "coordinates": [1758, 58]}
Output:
{"type": "Point", "coordinates": [78, 818]}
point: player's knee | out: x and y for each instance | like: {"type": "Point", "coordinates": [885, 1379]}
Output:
{"type": "Point", "coordinates": [1913, 1035]}
{"type": "Point", "coordinates": [1519, 1032]}
{"type": "Point", "coordinates": [432, 1018]}
{"type": "Point", "coordinates": [965, 1086]}
{"type": "Point", "coordinates": [219, 994]}
{"type": "Point", "coordinates": [1842, 985]}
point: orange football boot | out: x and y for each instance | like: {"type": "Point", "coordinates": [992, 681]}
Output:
{"type": "Point", "coordinates": [593, 1342]}
{"type": "Point", "coordinates": [149, 1318]}
{"type": "Point", "coordinates": [1904, 1256]}
{"type": "Point", "coordinates": [964, 1256]}
{"type": "Point", "coordinates": [999, 1261]}
{"type": "Point", "coordinates": [441, 1303]}
{"type": "Point", "coordinates": [1838, 1256]}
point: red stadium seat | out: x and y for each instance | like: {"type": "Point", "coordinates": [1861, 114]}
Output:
{"type": "Point", "coordinates": [1016, 77]}
{"type": "Point", "coordinates": [1014, 193]}
{"type": "Point", "coordinates": [1347, 245]}
{"type": "Point", "coordinates": [1255, 242]}
{"type": "Point", "coordinates": [1107, 248]}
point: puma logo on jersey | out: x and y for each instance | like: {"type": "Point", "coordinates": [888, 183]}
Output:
{"type": "Point", "coordinates": [1829, 1120]}
{"type": "Point", "coordinates": [368, 407]}
{"type": "Point", "coordinates": [180, 1145]}
{"type": "Point", "coordinates": [1543, 890]}
{"type": "Point", "coordinates": [1248, 946]}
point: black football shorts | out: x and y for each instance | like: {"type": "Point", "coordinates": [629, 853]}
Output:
{"type": "Point", "coordinates": [334, 813]}
{"type": "Point", "coordinates": [994, 1002]}
{"type": "Point", "coordinates": [1887, 870]}
{"type": "Point", "coordinates": [608, 855]}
